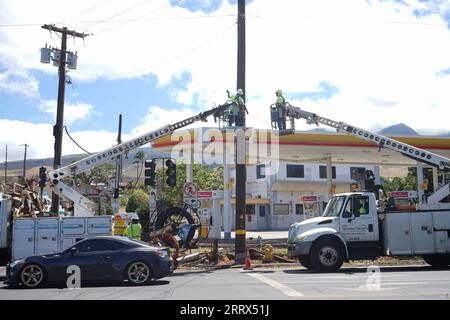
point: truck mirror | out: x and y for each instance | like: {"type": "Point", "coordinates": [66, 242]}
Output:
{"type": "Point", "coordinates": [346, 214]}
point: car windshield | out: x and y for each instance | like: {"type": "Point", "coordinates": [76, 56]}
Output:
{"type": "Point", "coordinates": [334, 206]}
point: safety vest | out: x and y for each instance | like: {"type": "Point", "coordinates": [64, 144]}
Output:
{"type": "Point", "coordinates": [280, 100]}
{"type": "Point", "coordinates": [133, 231]}
{"type": "Point", "coordinates": [237, 103]}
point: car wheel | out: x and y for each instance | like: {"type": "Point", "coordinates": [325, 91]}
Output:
{"type": "Point", "coordinates": [139, 273]}
{"type": "Point", "coordinates": [438, 261]}
{"type": "Point", "coordinates": [305, 261]}
{"type": "Point", "coordinates": [327, 255]}
{"type": "Point", "coordinates": [32, 276]}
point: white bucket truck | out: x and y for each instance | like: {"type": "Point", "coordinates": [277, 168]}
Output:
{"type": "Point", "coordinates": [363, 225]}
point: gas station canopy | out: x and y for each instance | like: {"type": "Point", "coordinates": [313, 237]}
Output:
{"type": "Point", "coordinates": [307, 146]}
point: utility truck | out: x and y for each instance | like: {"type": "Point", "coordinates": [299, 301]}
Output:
{"type": "Point", "coordinates": [22, 237]}
{"type": "Point", "coordinates": [365, 225]}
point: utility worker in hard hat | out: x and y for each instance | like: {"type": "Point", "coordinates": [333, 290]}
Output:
{"type": "Point", "coordinates": [280, 105]}
{"type": "Point", "coordinates": [236, 105]}
{"type": "Point", "coordinates": [134, 229]}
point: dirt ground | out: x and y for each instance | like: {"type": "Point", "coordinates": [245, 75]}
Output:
{"type": "Point", "coordinates": [226, 259]}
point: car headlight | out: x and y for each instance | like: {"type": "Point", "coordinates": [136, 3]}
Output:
{"type": "Point", "coordinates": [303, 238]}
{"type": "Point", "coordinates": [17, 263]}
{"type": "Point", "coordinates": [162, 253]}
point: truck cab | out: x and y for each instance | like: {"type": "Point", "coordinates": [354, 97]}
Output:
{"type": "Point", "coordinates": [348, 229]}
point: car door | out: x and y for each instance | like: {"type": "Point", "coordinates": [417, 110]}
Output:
{"type": "Point", "coordinates": [357, 222]}
{"type": "Point", "coordinates": [113, 260]}
{"type": "Point", "coordinates": [95, 259]}
{"type": "Point", "coordinates": [83, 257]}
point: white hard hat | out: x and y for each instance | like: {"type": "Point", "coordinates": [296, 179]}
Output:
{"type": "Point", "coordinates": [135, 217]}
{"type": "Point", "coordinates": [279, 91]}
{"type": "Point", "coordinates": [239, 91]}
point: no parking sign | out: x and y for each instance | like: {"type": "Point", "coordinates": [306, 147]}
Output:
{"type": "Point", "coordinates": [190, 190]}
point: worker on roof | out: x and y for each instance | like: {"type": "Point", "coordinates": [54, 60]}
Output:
{"type": "Point", "coordinates": [280, 106]}
{"type": "Point", "coordinates": [236, 105]}
{"type": "Point", "coordinates": [134, 229]}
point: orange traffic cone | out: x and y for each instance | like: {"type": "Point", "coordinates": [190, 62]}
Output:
{"type": "Point", "coordinates": [248, 265]}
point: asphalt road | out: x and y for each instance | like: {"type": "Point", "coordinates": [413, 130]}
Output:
{"type": "Point", "coordinates": [415, 282]}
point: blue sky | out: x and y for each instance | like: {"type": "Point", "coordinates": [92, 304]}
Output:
{"type": "Point", "coordinates": [159, 61]}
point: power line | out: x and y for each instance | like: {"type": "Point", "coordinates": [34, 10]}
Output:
{"type": "Point", "coordinates": [126, 20]}
{"type": "Point", "coordinates": [132, 20]}
{"type": "Point", "coordinates": [120, 13]}
{"type": "Point", "coordinates": [163, 62]}
{"type": "Point", "coordinates": [84, 11]}
{"type": "Point", "coordinates": [73, 140]}
{"type": "Point", "coordinates": [337, 20]}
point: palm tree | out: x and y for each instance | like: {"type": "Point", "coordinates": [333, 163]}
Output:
{"type": "Point", "coordinates": [139, 156]}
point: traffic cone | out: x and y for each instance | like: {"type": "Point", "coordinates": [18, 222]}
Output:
{"type": "Point", "coordinates": [248, 265]}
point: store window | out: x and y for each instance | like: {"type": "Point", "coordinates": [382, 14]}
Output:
{"type": "Point", "coordinates": [299, 209]}
{"type": "Point", "coordinates": [250, 209]}
{"type": "Point", "coordinates": [260, 171]}
{"type": "Point", "coordinates": [295, 171]}
{"type": "Point", "coordinates": [323, 172]}
{"type": "Point", "coordinates": [262, 211]}
{"type": "Point", "coordinates": [280, 209]}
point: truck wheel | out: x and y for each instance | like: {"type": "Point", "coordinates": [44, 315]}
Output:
{"type": "Point", "coordinates": [327, 255]}
{"type": "Point", "coordinates": [32, 276]}
{"type": "Point", "coordinates": [438, 261]}
{"type": "Point", "coordinates": [305, 261]}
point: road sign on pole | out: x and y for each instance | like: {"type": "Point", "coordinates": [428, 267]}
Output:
{"type": "Point", "coordinates": [153, 197]}
{"type": "Point", "coordinates": [190, 190]}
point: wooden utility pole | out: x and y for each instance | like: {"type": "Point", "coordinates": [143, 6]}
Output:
{"type": "Point", "coordinates": [6, 164]}
{"type": "Point", "coordinates": [24, 173]}
{"type": "Point", "coordinates": [58, 128]}
{"type": "Point", "coordinates": [118, 162]}
{"type": "Point", "coordinates": [240, 232]}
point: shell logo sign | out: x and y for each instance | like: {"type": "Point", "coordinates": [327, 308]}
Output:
{"type": "Point", "coordinates": [308, 198]}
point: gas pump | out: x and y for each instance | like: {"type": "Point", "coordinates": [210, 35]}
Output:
{"type": "Point", "coordinates": [209, 212]}
{"type": "Point", "coordinates": [403, 200]}
{"type": "Point", "coordinates": [312, 206]}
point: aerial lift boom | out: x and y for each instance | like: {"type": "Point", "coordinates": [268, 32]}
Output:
{"type": "Point", "coordinates": [82, 205]}
{"type": "Point", "coordinates": [418, 154]}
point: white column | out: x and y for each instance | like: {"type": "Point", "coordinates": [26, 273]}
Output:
{"type": "Point", "coordinates": [226, 202]}
{"type": "Point", "coordinates": [329, 177]}
{"type": "Point", "coordinates": [215, 214]}
{"type": "Point", "coordinates": [376, 173]}
{"type": "Point", "coordinates": [189, 173]}
{"type": "Point", "coordinates": [435, 179]}
{"type": "Point", "coordinates": [420, 181]}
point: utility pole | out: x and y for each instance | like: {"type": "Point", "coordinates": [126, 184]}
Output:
{"type": "Point", "coordinates": [6, 164]}
{"type": "Point", "coordinates": [118, 176]}
{"type": "Point", "coordinates": [240, 232]}
{"type": "Point", "coordinates": [58, 128]}
{"type": "Point", "coordinates": [24, 163]}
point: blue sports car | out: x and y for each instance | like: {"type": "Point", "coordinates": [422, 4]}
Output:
{"type": "Point", "coordinates": [99, 259]}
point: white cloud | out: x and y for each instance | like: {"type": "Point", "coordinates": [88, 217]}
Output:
{"type": "Point", "coordinates": [39, 137]}
{"type": "Point", "coordinates": [378, 51]}
{"type": "Point", "coordinates": [72, 112]}
{"type": "Point", "coordinates": [19, 82]}
{"type": "Point", "coordinates": [158, 117]}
